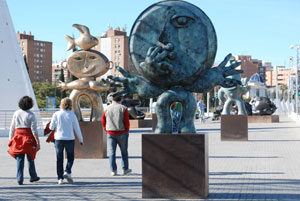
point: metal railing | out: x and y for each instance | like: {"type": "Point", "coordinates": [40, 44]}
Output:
{"type": "Point", "coordinates": [43, 116]}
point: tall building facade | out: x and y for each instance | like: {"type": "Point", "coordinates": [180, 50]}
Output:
{"type": "Point", "coordinates": [114, 45]}
{"type": "Point", "coordinates": [283, 76]}
{"type": "Point", "coordinates": [251, 66]}
{"type": "Point", "coordinates": [38, 57]}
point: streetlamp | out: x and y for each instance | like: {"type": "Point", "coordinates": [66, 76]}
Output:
{"type": "Point", "coordinates": [297, 47]}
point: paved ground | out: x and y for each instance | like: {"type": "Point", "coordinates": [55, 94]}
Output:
{"type": "Point", "coordinates": [264, 168]}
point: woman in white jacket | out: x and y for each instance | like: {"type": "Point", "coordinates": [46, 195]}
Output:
{"type": "Point", "coordinates": [65, 123]}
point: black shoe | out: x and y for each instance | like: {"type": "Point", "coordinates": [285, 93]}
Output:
{"type": "Point", "coordinates": [20, 182]}
{"type": "Point", "coordinates": [35, 179]}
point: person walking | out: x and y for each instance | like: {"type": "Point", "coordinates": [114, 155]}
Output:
{"type": "Point", "coordinates": [200, 105]}
{"type": "Point", "coordinates": [115, 121]}
{"type": "Point", "coordinates": [24, 139]}
{"type": "Point", "coordinates": [65, 122]}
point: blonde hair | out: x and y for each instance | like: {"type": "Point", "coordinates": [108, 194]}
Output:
{"type": "Point", "coordinates": [66, 104]}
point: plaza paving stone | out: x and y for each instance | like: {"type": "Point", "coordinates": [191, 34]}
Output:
{"type": "Point", "coordinates": [266, 167]}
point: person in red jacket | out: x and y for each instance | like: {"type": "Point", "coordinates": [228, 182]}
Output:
{"type": "Point", "coordinates": [115, 121]}
{"type": "Point", "coordinates": [24, 139]}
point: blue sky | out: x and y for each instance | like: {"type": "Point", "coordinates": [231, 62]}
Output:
{"type": "Point", "coordinates": [264, 29]}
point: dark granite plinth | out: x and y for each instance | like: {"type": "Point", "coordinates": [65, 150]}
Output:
{"type": "Point", "coordinates": [175, 166]}
{"type": "Point", "coordinates": [140, 123]}
{"type": "Point", "coordinates": [234, 128]}
{"type": "Point", "coordinates": [263, 119]}
{"type": "Point", "coordinates": [94, 138]}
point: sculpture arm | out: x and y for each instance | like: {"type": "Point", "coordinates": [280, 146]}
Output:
{"type": "Point", "coordinates": [77, 84]}
{"type": "Point", "coordinates": [216, 76]}
{"type": "Point", "coordinates": [103, 85]}
{"type": "Point", "coordinates": [135, 84]}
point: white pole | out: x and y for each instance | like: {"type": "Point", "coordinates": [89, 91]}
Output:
{"type": "Point", "coordinates": [297, 48]}
{"type": "Point", "coordinates": [277, 91]}
{"type": "Point", "coordinates": [207, 105]}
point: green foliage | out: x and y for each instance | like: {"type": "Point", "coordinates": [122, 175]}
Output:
{"type": "Point", "coordinates": [44, 89]}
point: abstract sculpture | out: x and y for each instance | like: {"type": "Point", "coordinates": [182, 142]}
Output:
{"type": "Point", "coordinates": [234, 96]}
{"type": "Point", "coordinates": [262, 106]}
{"type": "Point", "coordinates": [172, 46]}
{"type": "Point", "coordinates": [86, 65]}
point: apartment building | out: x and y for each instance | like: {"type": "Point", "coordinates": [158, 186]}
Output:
{"type": "Point", "coordinates": [283, 76]}
{"type": "Point", "coordinates": [114, 45]}
{"type": "Point", "coordinates": [38, 56]}
{"type": "Point", "coordinates": [251, 66]}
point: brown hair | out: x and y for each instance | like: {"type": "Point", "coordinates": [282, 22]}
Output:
{"type": "Point", "coordinates": [66, 104]}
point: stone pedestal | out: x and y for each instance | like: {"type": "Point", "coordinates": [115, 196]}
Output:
{"type": "Point", "coordinates": [154, 122]}
{"type": "Point", "coordinates": [140, 123]}
{"type": "Point", "coordinates": [175, 166]}
{"type": "Point", "coordinates": [263, 118]}
{"type": "Point", "coordinates": [94, 138]}
{"type": "Point", "coordinates": [234, 128]}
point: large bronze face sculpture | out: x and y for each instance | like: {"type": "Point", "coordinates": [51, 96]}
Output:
{"type": "Point", "coordinates": [179, 39]}
{"type": "Point", "coordinates": [90, 63]}
{"type": "Point", "coordinates": [173, 46]}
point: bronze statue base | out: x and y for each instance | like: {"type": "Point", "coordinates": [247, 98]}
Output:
{"type": "Point", "coordinates": [94, 138]}
{"type": "Point", "coordinates": [140, 123]}
{"type": "Point", "coordinates": [263, 119]}
{"type": "Point", "coordinates": [175, 166]}
{"type": "Point", "coordinates": [234, 128]}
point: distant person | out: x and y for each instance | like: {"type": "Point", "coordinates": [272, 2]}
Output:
{"type": "Point", "coordinates": [176, 117]}
{"type": "Point", "coordinates": [200, 106]}
{"type": "Point", "coordinates": [65, 123]}
{"type": "Point", "coordinates": [115, 121]}
{"type": "Point", "coordinates": [24, 139]}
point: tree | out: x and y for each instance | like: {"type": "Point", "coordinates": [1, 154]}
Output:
{"type": "Point", "coordinates": [44, 89]}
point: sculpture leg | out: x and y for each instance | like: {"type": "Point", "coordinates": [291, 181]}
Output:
{"type": "Point", "coordinates": [241, 107]}
{"type": "Point", "coordinates": [189, 107]}
{"type": "Point", "coordinates": [96, 104]}
{"type": "Point", "coordinates": [164, 121]}
{"type": "Point", "coordinates": [227, 106]}
{"type": "Point", "coordinates": [74, 96]}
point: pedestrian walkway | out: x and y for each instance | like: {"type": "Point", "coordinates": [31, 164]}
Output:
{"type": "Point", "coordinates": [267, 167]}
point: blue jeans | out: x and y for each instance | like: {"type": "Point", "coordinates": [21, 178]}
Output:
{"type": "Point", "coordinates": [60, 145]}
{"type": "Point", "coordinates": [122, 141]}
{"type": "Point", "coordinates": [20, 167]}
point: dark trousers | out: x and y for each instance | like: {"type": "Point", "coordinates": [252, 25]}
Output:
{"type": "Point", "coordinates": [20, 167]}
{"type": "Point", "coordinates": [60, 145]}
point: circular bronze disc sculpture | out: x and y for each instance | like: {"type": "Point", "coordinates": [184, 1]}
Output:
{"type": "Point", "coordinates": [179, 30]}
{"type": "Point", "coordinates": [173, 46]}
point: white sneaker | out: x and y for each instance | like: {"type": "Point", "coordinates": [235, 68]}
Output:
{"type": "Point", "coordinates": [60, 181]}
{"type": "Point", "coordinates": [114, 173]}
{"type": "Point", "coordinates": [68, 177]}
{"type": "Point", "coordinates": [125, 172]}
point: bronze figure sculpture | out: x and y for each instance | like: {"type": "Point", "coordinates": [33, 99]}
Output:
{"type": "Point", "coordinates": [234, 96]}
{"type": "Point", "coordinates": [87, 65]}
{"type": "Point", "coordinates": [173, 46]}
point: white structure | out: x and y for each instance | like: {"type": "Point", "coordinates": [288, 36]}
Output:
{"type": "Point", "coordinates": [14, 78]}
{"type": "Point", "coordinates": [257, 86]}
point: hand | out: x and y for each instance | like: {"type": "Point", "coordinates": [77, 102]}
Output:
{"type": "Point", "coordinates": [38, 146]}
{"type": "Point", "coordinates": [154, 61]}
{"type": "Point", "coordinates": [134, 84]}
{"type": "Point", "coordinates": [62, 85]}
{"type": "Point", "coordinates": [227, 71]}
{"type": "Point", "coordinates": [81, 143]}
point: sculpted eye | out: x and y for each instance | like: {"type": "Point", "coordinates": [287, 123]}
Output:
{"type": "Point", "coordinates": [92, 57]}
{"type": "Point", "coordinates": [181, 21]}
{"type": "Point", "coordinates": [78, 58]}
